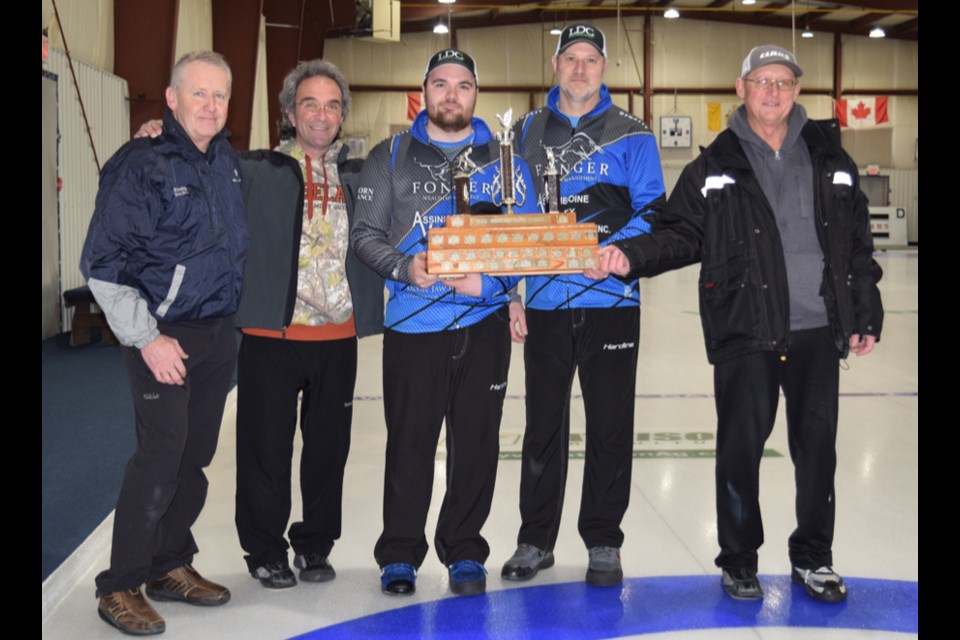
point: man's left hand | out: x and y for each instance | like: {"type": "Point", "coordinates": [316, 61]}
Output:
{"type": "Point", "coordinates": [595, 274]}
{"type": "Point", "coordinates": [149, 129]}
{"type": "Point", "coordinates": [862, 344]}
{"type": "Point", "coordinates": [613, 260]}
{"type": "Point", "coordinates": [469, 285]}
{"type": "Point", "coordinates": [518, 323]}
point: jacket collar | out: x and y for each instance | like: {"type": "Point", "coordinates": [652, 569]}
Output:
{"type": "Point", "coordinates": [175, 134]}
{"type": "Point", "coordinates": [820, 136]}
{"type": "Point", "coordinates": [553, 103]}
{"type": "Point", "coordinates": [481, 132]}
{"type": "Point", "coordinates": [796, 120]}
{"type": "Point", "coordinates": [292, 148]}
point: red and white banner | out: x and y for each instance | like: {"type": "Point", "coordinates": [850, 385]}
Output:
{"type": "Point", "coordinates": [862, 112]}
{"type": "Point", "coordinates": [413, 105]}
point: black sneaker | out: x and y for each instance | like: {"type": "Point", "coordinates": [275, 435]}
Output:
{"type": "Point", "coordinates": [314, 568]}
{"type": "Point", "coordinates": [275, 575]}
{"type": "Point", "coordinates": [741, 583]}
{"type": "Point", "coordinates": [525, 562]}
{"type": "Point", "coordinates": [823, 584]}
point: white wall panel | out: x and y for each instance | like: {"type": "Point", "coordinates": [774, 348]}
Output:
{"type": "Point", "coordinates": [872, 63]}
{"type": "Point", "coordinates": [88, 26]}
{"type": "Point", "coordinates": [260, 126]}
{"type": "Point", "coordinates": [108, 112]}
{"type": "Point", "coordinates": [194, 27]}
{"type": "Point", "coordinates": [697, 53]}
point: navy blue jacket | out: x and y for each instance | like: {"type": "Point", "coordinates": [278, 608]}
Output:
{"type": "Point", "coordinates": [169, 225]}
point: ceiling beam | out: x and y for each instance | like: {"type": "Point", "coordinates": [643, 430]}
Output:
{"type": "Point", "coordinates": [904, 27]}
{"type": "Point", "coordinates": [815, 16]}
{"type": "Point", "coordinates": [766, 16]}
{"type": "Point", "coordinates": [865, 20]}
{"type": "Point", "coordinates": [769, 12]}
{"type": "Point", "coordinates": [886, 5]}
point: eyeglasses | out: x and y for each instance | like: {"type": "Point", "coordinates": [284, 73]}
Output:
{"type": "Point", "coordinates": [332, 109]}
{"type": "Point", "coordinates": [770, 83]}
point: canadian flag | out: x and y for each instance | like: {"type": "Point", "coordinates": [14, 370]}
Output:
{"type": "Point", "coordinates": [862, 112]}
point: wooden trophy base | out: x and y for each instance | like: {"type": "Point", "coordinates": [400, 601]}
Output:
{"type": "Point", "coordinates": [512, 244]}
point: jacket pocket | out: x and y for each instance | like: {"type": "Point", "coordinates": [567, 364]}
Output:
{"type": "Point", "coordinates": [728, 309]}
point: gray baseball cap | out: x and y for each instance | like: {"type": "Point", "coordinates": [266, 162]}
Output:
{"type": "Point", "coordinates": [769, 54]}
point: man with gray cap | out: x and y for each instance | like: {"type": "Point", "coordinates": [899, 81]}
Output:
{"type": "Point", "coordinates": [610, 175]}
{"type": "Point", "coordinates": [773, 211]}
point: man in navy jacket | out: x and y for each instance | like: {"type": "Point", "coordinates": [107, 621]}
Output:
{"type": "Point", "coordinates": [164, 257]}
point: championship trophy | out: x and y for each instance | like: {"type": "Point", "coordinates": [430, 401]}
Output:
{"type": "Point", "coordinates": [510, 243]}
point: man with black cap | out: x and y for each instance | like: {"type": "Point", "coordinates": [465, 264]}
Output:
{"type": "Point", "coordinates": [788, 285]}
{"type": "Point", "coordinates": [609, 174]}
{"type": "Point", "coordinates": [446, 348]}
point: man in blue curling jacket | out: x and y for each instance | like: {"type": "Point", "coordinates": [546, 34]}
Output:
{"type": "Point", "coordinates": [610, 175]}
{"type": "Point", "coordinates": [446, 347]}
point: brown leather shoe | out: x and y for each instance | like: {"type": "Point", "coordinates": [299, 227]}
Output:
{"type": "Point", "coordinates": [130, 612]}
{"type": "Point", "coordinates": [184, 584]}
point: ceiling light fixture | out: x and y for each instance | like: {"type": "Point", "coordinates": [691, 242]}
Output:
{"type": "Point", "coordinates": [671, 14]}
{"type": "Point", "coordinates": [877, 32]}
{"type": "Point", "coordinates": [441, 29]}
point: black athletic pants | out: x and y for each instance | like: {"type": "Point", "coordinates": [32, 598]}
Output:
{"type": "Point", "coordinates": [602, 344]}
{"type": "Point", "coordinates": [271, 375]}
{"type": "Point", "coordinates": [164, 486]}
{"type": "Point", "coordinates": [747, 393]}
{"type": "Point", "coordinates": [459, 376]}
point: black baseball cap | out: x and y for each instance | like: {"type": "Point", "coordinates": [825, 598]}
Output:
{"type": "Point", "coordinates": [451, 56]}
{"type": "Point", "coordinates": [582, 32]}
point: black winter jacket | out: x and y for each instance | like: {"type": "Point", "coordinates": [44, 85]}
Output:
{"type": "Point", "coordinates": [719, 216]}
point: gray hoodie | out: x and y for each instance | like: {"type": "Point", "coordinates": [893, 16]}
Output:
{"type": "Point", "coordinates": [786, 177]}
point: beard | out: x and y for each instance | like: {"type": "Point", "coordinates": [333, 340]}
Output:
{"type": "Point", "coordinates": [449, 121]}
